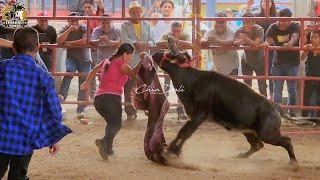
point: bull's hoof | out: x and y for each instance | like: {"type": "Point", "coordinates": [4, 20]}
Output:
{"type": "Point", "coordinates": [294, 164]}
{"type": "Point", "coordinates": [172, 159]}
{"type": "Point", "coordinates": [168, 154]}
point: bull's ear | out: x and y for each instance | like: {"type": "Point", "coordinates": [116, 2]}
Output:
{"type": "Point", "coordinates": [172, 46]}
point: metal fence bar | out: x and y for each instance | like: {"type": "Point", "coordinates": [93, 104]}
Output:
{"type": "Point", "coordinates": [196, 41]}
{"type": "Point", "coordinates": [108, 18]}
{"type": "Point", "coordinates": [54, 7]}
{"type": "Point", "coordinates": [123, 8]}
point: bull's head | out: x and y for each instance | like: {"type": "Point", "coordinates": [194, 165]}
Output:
{"type": "Point", "coordinates": [174, 56]}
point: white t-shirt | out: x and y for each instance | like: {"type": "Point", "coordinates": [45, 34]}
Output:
{"type": "Point", "coordinates": [161, 28]}
{"type": "Point", "coordinates": [224, 60]}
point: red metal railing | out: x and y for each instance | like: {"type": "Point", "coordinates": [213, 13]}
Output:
{"type": "Point", "coordinates": [196, 44]}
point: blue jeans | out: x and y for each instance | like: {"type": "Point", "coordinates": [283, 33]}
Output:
{"type": "Point", "coordinates": [73, 66]}
{"type": "Point", "coordinates": [285, 70]}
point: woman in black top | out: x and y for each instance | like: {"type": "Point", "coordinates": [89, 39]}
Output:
{"type": "Point", "coordinates": [262, 13]}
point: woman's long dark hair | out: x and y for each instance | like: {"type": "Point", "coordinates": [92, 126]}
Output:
{"type": "Point", "coordinates": [123, 48]}
{"type": "Point", "coordinates": [272, 11]}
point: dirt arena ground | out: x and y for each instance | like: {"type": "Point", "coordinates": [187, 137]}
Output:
{"type": "Point", "coordinates": [211, 149]}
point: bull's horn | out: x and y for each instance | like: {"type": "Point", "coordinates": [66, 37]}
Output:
{"type": "Point", "coordinates": [172, 46]}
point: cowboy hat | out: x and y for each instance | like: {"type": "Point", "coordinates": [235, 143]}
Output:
{"type": "Point", "coordinates": [135, 4]}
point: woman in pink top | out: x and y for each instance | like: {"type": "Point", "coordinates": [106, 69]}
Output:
{"type": "Point", "coordinates": [115, 72]}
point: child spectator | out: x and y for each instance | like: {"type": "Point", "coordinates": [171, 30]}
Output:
{"type": "Point", "coordinates": [312, 88]}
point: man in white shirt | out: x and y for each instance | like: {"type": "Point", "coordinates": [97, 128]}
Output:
{"type": "Point", "coordinates": [225, 61]}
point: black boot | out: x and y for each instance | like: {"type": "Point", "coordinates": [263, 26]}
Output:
{"type": "Point", "coordinates": [100, 143]}
{"type": "Point", "coordinates": [110, 151]}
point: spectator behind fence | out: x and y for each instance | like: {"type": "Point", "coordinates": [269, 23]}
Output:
{"type": "Point", "coordinates": [8, 44]}
{"type": "Point", "coordinates": [182, 8]}
{"type": "Point", "coordinates": [98, 4]}
{"type": "Point", "coordinates": [163, 26]}
{"type": "Point", "coordinates": [262, 13]}
{"type": "Point", "coordinates": [251, 34]}
{"type": "Point", "coordinates": [30, 108]}
{"type": "Point", "coordinates": [265, 25]}
{"type": "Point", "coordinates": [89, 10]}
{"type": "Point", "coordinates": [115, 73]}
{"type": "Point", "coordinates": [225, 61]}
{"type": "Point", "coordinates": [47, 35]}
{"type": "Point", "coordinates": [231, 24]}
{"type": "Point", "coordinates": [309, 29]}
{"type": "Point", "coordinates": [78, 58]}
{"type": "Point", "coordinates": [107, 37]}
{"type": "Point", "coordinates": [154, 23]}
{"type": "Point", "coordinates": [183, 40]}
{"type": "Point", "coordinates": [140, 34]}
{"type": "Point", "coordinates": [285, 63]}
{"type": "Point", "coordinates": [312, 88]}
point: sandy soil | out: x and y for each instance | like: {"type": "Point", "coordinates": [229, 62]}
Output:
{"type": "Point", "coordinates": [211, 149]}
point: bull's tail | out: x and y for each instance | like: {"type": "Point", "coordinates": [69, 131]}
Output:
{"type": "Point", "coordinates": [284, 113]}
{"type": "Point", "coordinates": [297, 121]}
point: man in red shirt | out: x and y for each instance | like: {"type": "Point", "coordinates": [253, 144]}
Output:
{"type": "Point", "coordinates": [88, 10]}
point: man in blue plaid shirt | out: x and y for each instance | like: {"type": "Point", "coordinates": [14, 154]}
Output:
{"type": "Point", "coordinates": [30, 110]}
